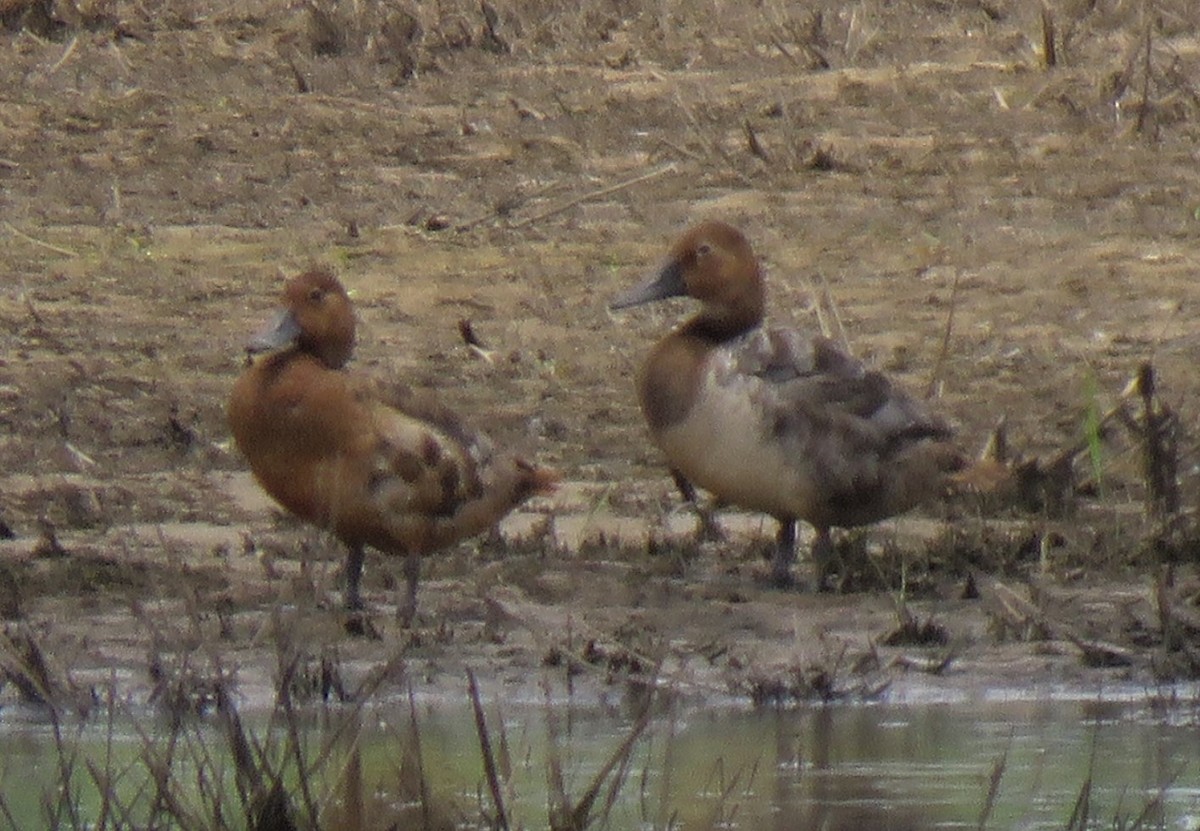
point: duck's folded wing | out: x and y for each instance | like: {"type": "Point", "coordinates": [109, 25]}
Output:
{"type": "Point", "coordinates": [426, 460]}
{"type": "Point", "coordinates": [422, 405]}
{"type": "Point", "coordinates": [779, 355]}
{"type": "Point", "coordinates": [843, 418]}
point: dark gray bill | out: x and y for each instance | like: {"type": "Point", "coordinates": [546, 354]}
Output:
{"type": "Point", "coordinates": [667, 283]}
{"type": "Point", "coordinates": [282, 331]}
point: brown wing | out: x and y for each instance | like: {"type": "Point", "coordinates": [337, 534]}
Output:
{"type": "Point", "coordinates": [434, 479]}
{"type": "Point", "coordinates": [426, 460]}
{"type": "Point", "coordinates": [850, 428]}
{"type": "Point", "coordinates": [808, 376]}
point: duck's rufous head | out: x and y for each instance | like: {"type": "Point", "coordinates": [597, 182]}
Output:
{"type": "Point", "coordinates": [712, 263]}
{"type": "Point", "coordinates": [317, 317]}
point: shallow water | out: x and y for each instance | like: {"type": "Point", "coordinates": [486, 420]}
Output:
{"type": "Point", "coordinates": [886, 766]}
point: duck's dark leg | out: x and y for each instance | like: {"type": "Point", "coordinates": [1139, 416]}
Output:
{"type": "Point", "coordinates": [407, 610]}
{"type": "Point", "coordinates": [785, 553]}
{"type": "Point", "coordinates": [709, 530]}
{"type": "Point", "coordinates": [822, 558]}
{"type": "Point", "coordinates": [357, 623]}
{"type": "Point", "coordinates": [354, 567]}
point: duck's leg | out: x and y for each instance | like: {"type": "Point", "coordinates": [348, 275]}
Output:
{"type": "Point", "coordinates": [353, 575]}
{"type": "Point", "coordinates": [785, 552]}
{"type": "Point", "coordinates": [822, 557]}
{"type": "Point", "coordinates": [357, 623]}
{"type": "Point", "coordinates": [709, 529]}
{"type": "Point", "coordinates": [407, 610]}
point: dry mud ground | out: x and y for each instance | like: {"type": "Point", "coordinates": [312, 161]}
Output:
{"type": "Point", "coordinates": [163, 165]}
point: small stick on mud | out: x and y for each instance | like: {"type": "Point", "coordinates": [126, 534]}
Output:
{"type": "Point", "coordinates": [66, 55]}
{"type": "Point", "coordinates": [1160, 446]}
{"type": "Point", "coordinates": [1049, 54]}
{"type": "Point", "coordinates": [467, 332]}
{"type": "Point", "coordinates": [507, 206]}
{"type": "Point", "coordinates": [683, 151]}
{"type": "Point", "coordinates": [302, 85]}
{"type": "Point", "coordinates": [66, 252]}
{"type": "Point", "coordinates": [783, 50]}
{"type": "Point", "coordinates": [1144, 104]}
{"type": "Point", "coordinates": [1032, 622]}
{"type": "Point", "coordinates": [756, 147]}
{"type": "Point", "coordinates": [596, 194]}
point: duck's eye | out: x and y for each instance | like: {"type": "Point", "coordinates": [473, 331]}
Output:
{"type": "Point", "coordinates": [703, 249]}
{"type": "Point", "coordinates": [316, 295]}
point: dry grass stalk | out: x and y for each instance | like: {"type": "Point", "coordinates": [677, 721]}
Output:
{"type": "Point", "coordinates": [24, 664]}
{"type": "Point", "coordinates": [829, 316]}
{"type": "Point", "coordinates": [66, 55]}
{"type": "Point", "coordinates": [754, 144]}
{"type": "Point", "coordinates": [1144, 105]}
{"type": "Point", "coordinates": [489, 757]}
{"type": "Point", "coordinates": [1082, 810]}
{"type": "Point", "coordinates": [66, 252]}
{"type": "Point", "coordinates": [721, 816]}
{"type": "Point", "coordinates": [994, 779]}
{"type": "Point", "coordinates": [1049, 485]}
{"type": "Point", "coordinates": [568, 815]}
{"type": "Point", "coordinates": [417, 764]}
{"type": "Point", "coordinates": [596, 194]}
{"type": "Point", "coordinates": [712, 147]}
{"type": "Point", "coordinates": [353, 807]}
{"type": "Point", "coordinates": [939, 365]}
{"type": "Point", "coordinates": [1049, 53]}
{"type": "Point", "coordinates": [1159, 430]}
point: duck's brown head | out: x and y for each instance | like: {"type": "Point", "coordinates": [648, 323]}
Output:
{"type": "Point", "coordinates": [317, 317]}
{"type": "Point", "coordinates": [714, 264]}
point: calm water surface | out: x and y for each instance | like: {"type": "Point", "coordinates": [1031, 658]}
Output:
{"type": "Point", "coordinates": [885, 766]}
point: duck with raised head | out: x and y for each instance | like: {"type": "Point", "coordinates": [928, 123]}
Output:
{"type": "Point", "coordinates": [774, 419]}
{"type": "Point", "coordinates": [376, 463]}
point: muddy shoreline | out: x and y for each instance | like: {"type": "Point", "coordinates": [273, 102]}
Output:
{"type": "Point", "coordinates": [1014, 238]}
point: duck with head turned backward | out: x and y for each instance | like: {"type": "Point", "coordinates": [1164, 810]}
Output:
{"type": "Point", "coordinates": [774, 419]}
{"type": "Point", "coordinates": [378, 464]}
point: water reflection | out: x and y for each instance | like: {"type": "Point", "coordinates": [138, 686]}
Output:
{"type": "Point", "coordinates": [885, 767]}
{"type": "Point", "coordinates": [890, 767]}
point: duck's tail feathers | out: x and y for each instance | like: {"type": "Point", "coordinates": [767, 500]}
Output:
{"type": "Point", "coordinates": [536, 480]}
{"type": "Point", "coordinates": [982, 476]}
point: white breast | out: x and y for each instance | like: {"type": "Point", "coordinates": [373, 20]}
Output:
{"type": "Point", "coordinates": [725, 446]}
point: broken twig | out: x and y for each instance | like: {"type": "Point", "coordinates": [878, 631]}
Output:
{"type": "Point", "coordinates": [16, 232]}
{"type": "Point", "coordinates": [596, 194]}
